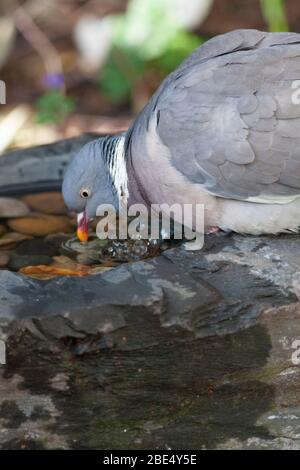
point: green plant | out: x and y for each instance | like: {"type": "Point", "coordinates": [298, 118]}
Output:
{"type": "Point", "coordinates": [120, 73]}
{"type": "Point", "coordinates": [275, 15]}
{"type": "Point", "coordinates": [53, 107]}
{"type": "Point", "coordinates": [182, 44]}
{"type": "Point", "coordinates": [149, 35]}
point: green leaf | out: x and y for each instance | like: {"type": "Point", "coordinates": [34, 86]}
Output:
{"type": "Point", "coordinates": [181, 45]}
{"type": "Point", "coordinates": [54, 107]}
{"type": "Point", "coordinates": [274, 13]}
{"type": "Point", "coordinates": [120, 73]}
{"type": "Point", "coordinates": [149, 35]}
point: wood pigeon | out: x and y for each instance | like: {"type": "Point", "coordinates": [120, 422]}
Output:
{"type": "Point", "coordinates": [222, 130]}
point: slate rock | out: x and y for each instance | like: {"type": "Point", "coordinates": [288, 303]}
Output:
{"type": "Point", "coordinates": [191, 350]}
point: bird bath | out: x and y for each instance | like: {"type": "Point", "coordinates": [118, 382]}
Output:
{"type": "Point", "coordinates": [37, 232]}
{"type": "Point", "coordinates": [61, 254]}
{"type": "Point", "coordinates": [182, 350]}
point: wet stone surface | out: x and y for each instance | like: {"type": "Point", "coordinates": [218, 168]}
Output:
{"type": "Point", "coordinates": [186, 350]}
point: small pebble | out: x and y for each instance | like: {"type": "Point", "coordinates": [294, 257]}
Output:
{"type": "Point", "coordinates": [4, 260]}
{"type": "Point", "coordinates": [3, 230]}
{"type": "Point", "coordinates": [10, 207]}
{"type": "Point", "coordinates": [12, 238]}
{"type": "Point", "coordinates": [40, 225]}
{"type": "Point", "coordinates": [37, 247]}
{"type": "Point", "coordinates": [47, 203]}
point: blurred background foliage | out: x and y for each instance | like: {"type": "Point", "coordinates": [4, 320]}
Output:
{"type": "Point", "coordinates": [72, 66]}
{"type": "Point", "coordinates": [149, 36]}
{"type": "Point", "coordinates": [275, 15]}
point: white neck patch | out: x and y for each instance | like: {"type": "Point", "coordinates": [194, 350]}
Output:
{"type": "Point", "coordinates": [118, 171]}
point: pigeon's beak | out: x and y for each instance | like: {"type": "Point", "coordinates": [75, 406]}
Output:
{"type": "Point", "coordinates": [83, 227]}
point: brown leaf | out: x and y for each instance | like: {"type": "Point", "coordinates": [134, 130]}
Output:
{"type": "Point", "coordinates": [48, 272]}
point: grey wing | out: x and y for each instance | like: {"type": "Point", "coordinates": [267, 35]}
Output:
{"type": "Point", "coordinates": [231, 120]}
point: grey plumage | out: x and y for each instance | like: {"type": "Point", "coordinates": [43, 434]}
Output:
{"type": "Point", "coordinates": [229, 108]}
{"type": "Point", "coordinates": [225, 122]}
{"type": "Point", "coordinates": [88, 171]}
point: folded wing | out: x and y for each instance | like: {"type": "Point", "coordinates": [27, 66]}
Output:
{"type": "Point", "coordinates": [231, 119]}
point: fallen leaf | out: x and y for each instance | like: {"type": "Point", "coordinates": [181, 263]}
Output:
{"type": "Point", "coordinates": [47, 272]}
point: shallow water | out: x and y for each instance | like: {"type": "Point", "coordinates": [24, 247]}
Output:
{"type": "Point", "coordinates": [40, 241]}
{"type": "Point", "coordinates": [103, 251]}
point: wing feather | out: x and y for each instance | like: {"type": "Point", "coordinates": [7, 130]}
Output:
{"type": "Point", "coordinates": [228, 118]}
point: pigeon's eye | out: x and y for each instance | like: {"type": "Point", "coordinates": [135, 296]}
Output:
{"type": "Point", "coordinates": [85, 193]}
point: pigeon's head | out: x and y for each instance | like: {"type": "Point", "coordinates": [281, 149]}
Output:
{"type": "Point", "coordinates": [87, 184]}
